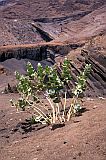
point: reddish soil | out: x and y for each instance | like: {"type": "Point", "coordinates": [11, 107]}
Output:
{"type": "Point", "coordinates": [47, 31]}
{"type": "Point", "coordinates": [63, 20]}
{"type": "Point", "coordinates": [83, 138]}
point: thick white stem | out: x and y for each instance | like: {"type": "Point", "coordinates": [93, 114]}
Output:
{"type": "Point", "coordinates": [40, 112]}
{"type": "Point", "coordinates": [70, 112]}
{"type": "Point", "coordinates": [65, 104]}
{"type": "Point", "coordinates": [53, 109]}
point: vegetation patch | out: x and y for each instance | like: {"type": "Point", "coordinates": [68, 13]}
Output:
{"type": "Point", "coordinates": [48, 83]}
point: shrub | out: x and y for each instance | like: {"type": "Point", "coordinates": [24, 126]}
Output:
{"type": "Point", "coordinates": [48, 82]}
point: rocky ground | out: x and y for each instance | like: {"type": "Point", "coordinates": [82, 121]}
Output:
{"type": "Point", "coordinates": [20, 21]}
{"type": "Point", "coordinates": [46, 31]}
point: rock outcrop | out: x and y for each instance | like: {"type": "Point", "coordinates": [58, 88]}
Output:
{"type": "Point", "coordinates": [47, 31]}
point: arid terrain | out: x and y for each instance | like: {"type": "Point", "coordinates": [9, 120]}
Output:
{"type": "Point", "coordinates": [47, 31]}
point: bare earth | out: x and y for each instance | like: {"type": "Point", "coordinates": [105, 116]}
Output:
{"type": "Point", "coordinates": [83, 138]}
{"type": "Point", "coordinates": [46, 31]}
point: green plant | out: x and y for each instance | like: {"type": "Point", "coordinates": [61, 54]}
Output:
{"type": "Point", "coordinates": [51, 85]}
{"type": "Point", "coordinates": [79, 88]}
{"type": "Point", "coordinates": [81, 82]}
